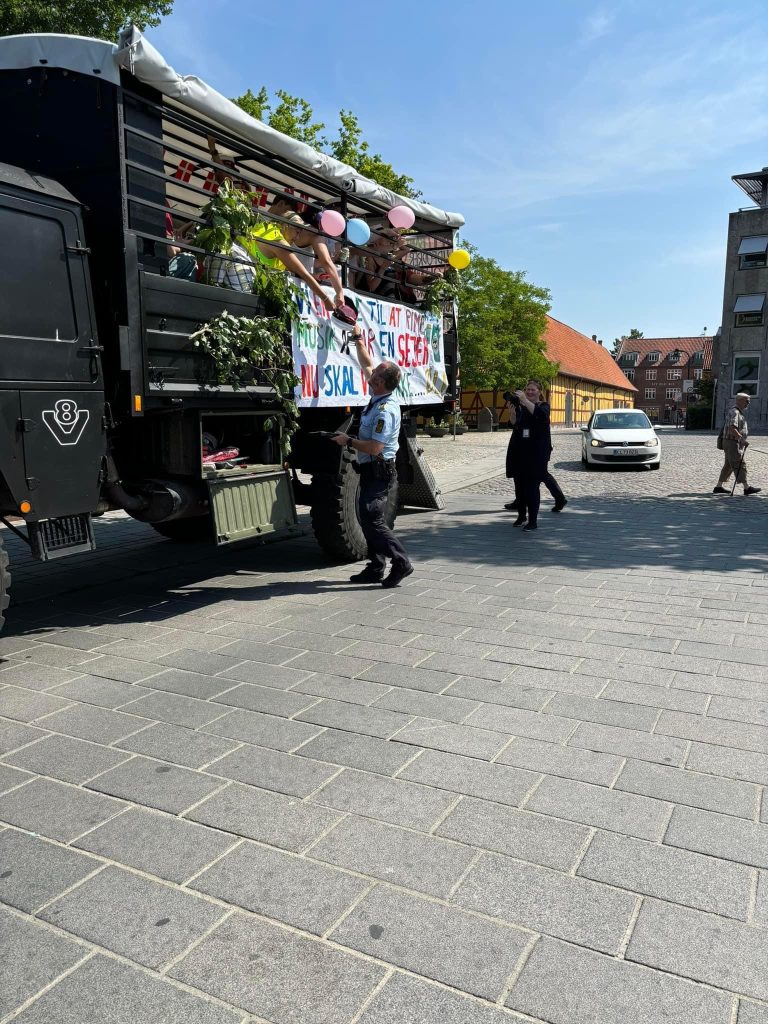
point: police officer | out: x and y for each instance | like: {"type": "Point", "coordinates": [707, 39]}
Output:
{"type": "Point", "coordinates": [376, 449]}
{"type": "Point", "coordinates": [735, 444]}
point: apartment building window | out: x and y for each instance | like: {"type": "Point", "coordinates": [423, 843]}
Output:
{"type": "Point", "coordinates": [650, 375]}
{"type": "Point", "coordinates": [752, 252]}
{"type": "Point", "coordinates": [629, 374]}
{"type": "Point", "coordinates": [749, 309]}
{"type": "Point", "coordinates": [746, 373]}
{"type": "Point", "coordinates": [672, 394]}
{"type": "Point", "coordinates": [628, 359]}
{"type": "Point", "coordinates": [650, 392]}
{"type": "Point", "coordinates": [698, 374]}
{"type": "Point", "coordinates": [653, 357]}
{"type": "Point", "coordinates": [674, 374]}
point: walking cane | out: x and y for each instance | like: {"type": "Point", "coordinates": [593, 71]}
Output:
{"type": "Point", "coordinates": [741, 463]}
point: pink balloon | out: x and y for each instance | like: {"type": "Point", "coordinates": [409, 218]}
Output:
{"type": "Point", "coordinates": [332, 223]}
{"type": "Point", "coordinates": [401, 217]}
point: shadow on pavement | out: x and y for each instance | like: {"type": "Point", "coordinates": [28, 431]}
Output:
{"type": "Point", "coordinates": [154, 579]}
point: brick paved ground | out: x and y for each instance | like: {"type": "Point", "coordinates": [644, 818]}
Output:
{"type": "Point", "coordinates": [527, 786]}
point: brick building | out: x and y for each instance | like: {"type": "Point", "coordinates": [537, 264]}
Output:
{"type": "Point", "coordinates": [665, 372]}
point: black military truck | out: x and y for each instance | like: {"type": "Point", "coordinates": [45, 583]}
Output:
{"type": "Point", "coordinates": [101, 405]}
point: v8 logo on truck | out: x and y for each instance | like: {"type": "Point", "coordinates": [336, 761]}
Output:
{"type": "Point", "coordinates": [65, 421]}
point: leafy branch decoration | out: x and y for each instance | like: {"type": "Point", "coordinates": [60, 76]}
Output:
{"type": "Point", "coordinates": [441, 290]}
{"type": "Point", "coordinates": [244, 350]}
{"type": "Point", "coordinates": [251, 350]}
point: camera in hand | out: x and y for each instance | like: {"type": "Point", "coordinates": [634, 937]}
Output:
{"type": "Point", "coordinates": [513, 399]}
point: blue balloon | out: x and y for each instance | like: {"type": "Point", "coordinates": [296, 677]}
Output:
{"type": "Point", "coordinates": [358, 231]}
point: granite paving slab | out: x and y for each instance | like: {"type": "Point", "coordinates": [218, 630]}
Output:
{"type": "Point", "coordinates": [146, 921]}
{"type": "Point", "coordinates": [461, 950]}
{"type": "Point", "coordinates": [158, 844]}
{"type": "Point", "coordinates": [281, 886]}
{"type": "Point", "coordinates": [278, 975]}
{"type": "Point", "coordinates": [33, 871]}
{"type": "Point", "coordinates": [401, 856]}
{"type": "Point", "coordinates": [32, 957]}
{"type": "Point", "coordinates": [106, 991]}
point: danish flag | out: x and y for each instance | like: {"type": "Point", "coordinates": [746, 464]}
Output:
{"type": "Point", "coordinates": [185, 170]}
{"type": "Point", "coordinates": [210, 184]}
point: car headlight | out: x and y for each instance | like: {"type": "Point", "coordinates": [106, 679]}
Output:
{"type": "Point", "coordinates": [652, 443]}
{"type": "Point", "coordinates": [597, 444]}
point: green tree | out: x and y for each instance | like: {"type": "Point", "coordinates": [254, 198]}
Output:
{"type": "Point", "coordinates": [502, 322]}
{"type": "Point", "coordinates": [101, 19]}
{"type": "Point", "coordinates": [294, 116]}
{"type": "Point", "coordinates": [349, 147]}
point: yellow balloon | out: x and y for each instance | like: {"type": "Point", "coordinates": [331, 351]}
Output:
{"type": "Point", "coordinates": [459, 259]}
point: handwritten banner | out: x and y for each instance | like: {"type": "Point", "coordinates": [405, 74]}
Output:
{"type": "Point", "coordinates": [325, 360]}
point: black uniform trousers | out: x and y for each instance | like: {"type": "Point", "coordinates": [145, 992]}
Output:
{"type": "Point", "coordinates": [376, 481]}
{"type": "Point", "coordinates": [553, 487]}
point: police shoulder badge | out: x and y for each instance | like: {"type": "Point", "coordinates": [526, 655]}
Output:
{"type": "Point", "coordinates": [379, 426]}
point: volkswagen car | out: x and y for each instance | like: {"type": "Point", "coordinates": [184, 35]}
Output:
{"type": "Point", "coordinates": [620, 437]}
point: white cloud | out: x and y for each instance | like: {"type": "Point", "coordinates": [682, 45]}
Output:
{"type": "Point", "coordinates": [597, 25]}
{"type": "Point", "coordinates": [643, 110]}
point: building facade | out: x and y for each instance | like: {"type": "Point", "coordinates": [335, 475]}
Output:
{"type": "Point", "coordinates": [740, 360]}
{"type": "Point", "coordinates": [665, 372]}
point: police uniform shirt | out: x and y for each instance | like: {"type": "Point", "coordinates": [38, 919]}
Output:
{"type": "Point", "coordinates": [380, 421]}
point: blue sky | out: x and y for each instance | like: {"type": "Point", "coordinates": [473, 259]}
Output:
{"type": "Point", "coordinates": [590, 145]}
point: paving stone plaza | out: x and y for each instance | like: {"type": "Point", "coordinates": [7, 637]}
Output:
{"type": "Point", "coordinates": [527, 785]}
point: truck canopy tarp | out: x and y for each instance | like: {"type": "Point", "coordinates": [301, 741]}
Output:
{"type": "Point", "coordinates": [136, 55]}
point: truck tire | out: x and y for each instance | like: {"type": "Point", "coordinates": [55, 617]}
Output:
{"type": "Point", "coordinates": [186, 531]}
{"type": "Point", "coordinates": [5, 582]}
{"type": "Point", "coordinates": [335, 521]}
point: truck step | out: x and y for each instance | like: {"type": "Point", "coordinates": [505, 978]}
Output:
{"type": "Point", "coordinates": [67, 535]}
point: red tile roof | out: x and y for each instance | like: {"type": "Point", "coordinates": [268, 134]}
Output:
{"type": "Point", "coordinates": [666, 345]}
{"type": "Point", "coordinates": [581, 357]}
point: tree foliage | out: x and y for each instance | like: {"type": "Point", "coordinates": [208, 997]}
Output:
{"type": "Point", "coordinates": [502, 318]}
{"type": "Point", "coordinates": [101, 19]}
{"type": "Point", "coordinates": [295, 117]}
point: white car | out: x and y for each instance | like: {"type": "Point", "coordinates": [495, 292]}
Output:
{"type": "Point", "coordinates": [620, 437]}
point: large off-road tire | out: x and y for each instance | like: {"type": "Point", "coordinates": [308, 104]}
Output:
{"type": "Point", "coordinates": [335, 520]}
{"type": "Point", "coordinates": [186, 531]}
{"type": "Point", "coordinates": [5, 582]}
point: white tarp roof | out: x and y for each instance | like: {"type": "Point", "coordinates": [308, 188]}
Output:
{"type": "Point", "coordinates": [102, 59]}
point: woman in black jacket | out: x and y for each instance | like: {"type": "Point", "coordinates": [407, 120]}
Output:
{"type": "Point", "coordinates": [528, 452]}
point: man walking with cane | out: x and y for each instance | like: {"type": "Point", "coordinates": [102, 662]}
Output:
{"type": "Point", "coordinates": [735, 443]}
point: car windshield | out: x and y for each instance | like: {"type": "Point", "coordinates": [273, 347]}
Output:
{"type": "Point", "coordinates": [621, 421]}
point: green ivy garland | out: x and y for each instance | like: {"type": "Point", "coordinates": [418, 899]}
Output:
{"type": "Point", "coordinates": [251, 350]}
{"type": "Point", "coordinates": [440, 290]}
{"type": "Point", "coordinates": [245, 350]}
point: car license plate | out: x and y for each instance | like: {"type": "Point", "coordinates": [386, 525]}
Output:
{"type": "Point", "coordinates": [627, 451]}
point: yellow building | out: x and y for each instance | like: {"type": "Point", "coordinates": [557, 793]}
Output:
{"type": "Point", "coordinates": [587, 379]}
